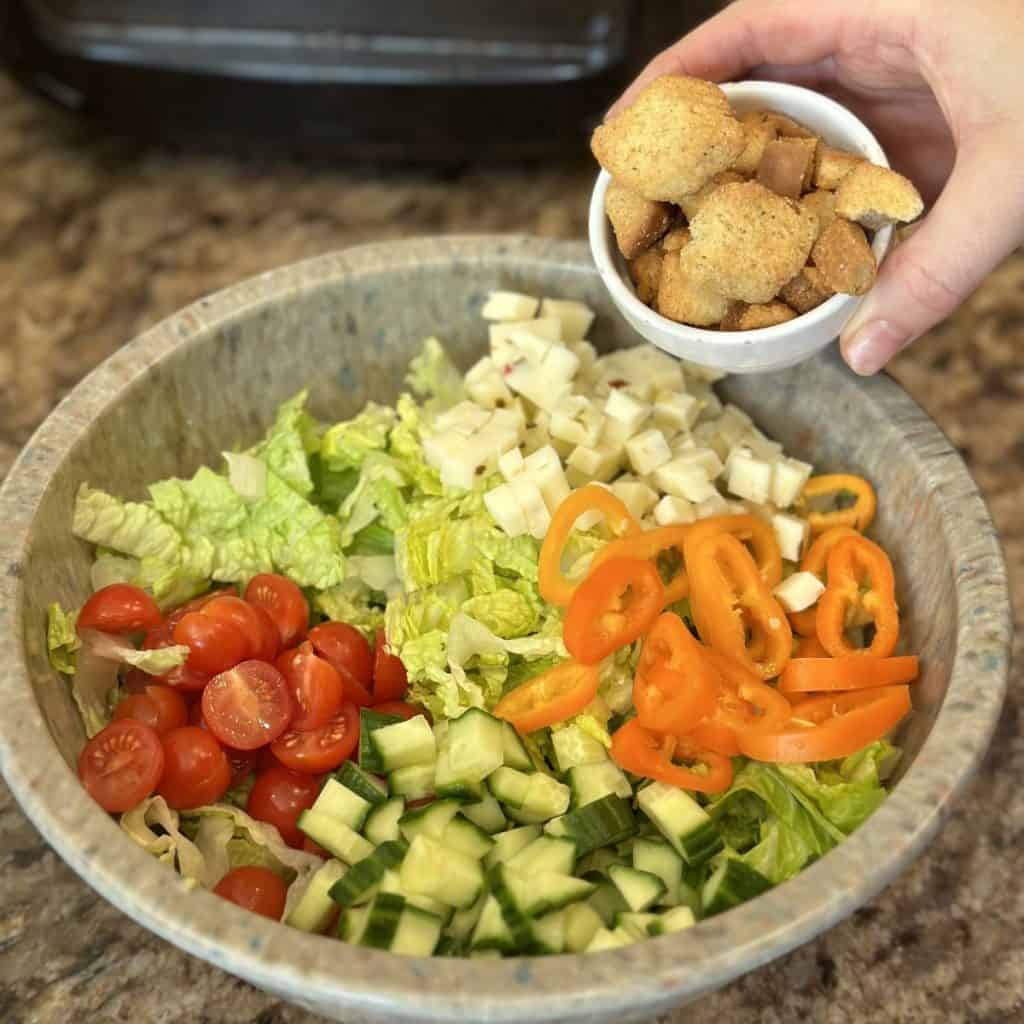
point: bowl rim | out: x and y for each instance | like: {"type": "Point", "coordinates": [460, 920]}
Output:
{"type": "Point", "coordinates": [609, 263]}
{"type": "Point", "coordinates": [642, 979]}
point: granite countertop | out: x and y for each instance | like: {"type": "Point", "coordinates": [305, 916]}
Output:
{"type": "Point", "coordinates": [100, 238]}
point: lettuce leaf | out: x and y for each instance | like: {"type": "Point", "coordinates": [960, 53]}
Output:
{"type": "Point", "coordinates": [347, 444]}
{"type": "Point", "coordinates": [435, 379]}
{"type": "Point", "coordinates": [129, 527]}
{"type": "Point", "coordinates": [154, 662]}
{"type": "Point", "coordinates": [406, 448]}
{"type": "Point", "coordinates": [294, 436]}
{"type": "Point", "coordinates": [61, 639]}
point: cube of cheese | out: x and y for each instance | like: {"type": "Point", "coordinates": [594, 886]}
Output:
{"type": "Point", "coordinates": [511, 463]}
{"type": "Point", "coordinates": [544, 468]}
{"type": "Point", "coordinates": [732, 425]}
{"type": "Point", "coordinates": [531, 501]}
{"type": "Point", "coordinates": [627, 410]}
{"type": "Point", "coordinates": [673, 511]}
{"type": "Point", "coordinates": [577, 420]}
{"type": "Point", "coordinates": [575, 317]}
{"type": "Point", "coordinates": [522, 342]}
{"type": "Point", "coordinates": [647, 451]}
{"type": "Point", "coordinates": [710, 403]}
{"type": "Point", "coordinates": [799, 591]}
{"type": "Point", "coordinates": [560, 363]}
{"type": "Point", "coordinates": [586, 354]}
{"type": "Point", "coordinates": [683, 442]}
{"type": "Point", "coordinates": [636, 496]}
{"type": "Point", "coordinates": [749, 477]}
{"type": "Point", "coordinates": [486, 385]}
{"type": "Point", "coordinates": [676, 410]}
{"type": "Point", "coordinates": [713, 505]}
{"type": "Point", "coordinates": [463, 420]}
{"type": "Point", "coordinates": [706, 458]}
{"type": "Point", "coordinates": [685, 480]}
{"type": "Point", "coordinates": [614, 433]}
{"type": "Point", "coordinates": [535, 384]}
{"type": "Point", "coordinates": [791, 533]}
{"type": "Point", "coordinates": [702, 373]}
{"type": "Point", "coordinates": [598, 463]}
{"type": "Point", "coordinates": [788, 479]}
{"type": "Point", "coordinates": [509, 306]}
{"type": "Point", "coordinates": [761, 446]}
{"type": "Point", "coordinates": [500, 334]}
{"type": "Point", "coordinates": [506, 511]}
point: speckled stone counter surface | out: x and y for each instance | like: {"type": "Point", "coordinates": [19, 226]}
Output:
{"type": "Point", "coordinates": [99, 239]}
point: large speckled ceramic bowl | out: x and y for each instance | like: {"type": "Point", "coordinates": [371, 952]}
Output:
{"type": "Point", "coordinates": [346, 325]}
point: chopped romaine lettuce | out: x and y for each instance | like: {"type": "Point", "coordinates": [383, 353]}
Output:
{"type": "Point", "coordinates": [435, 379]}
{"type": "Point", "coordinates": [61, 639]}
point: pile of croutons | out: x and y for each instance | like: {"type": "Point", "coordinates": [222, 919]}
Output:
{"type": "Point", "coordinates": [739, 222]}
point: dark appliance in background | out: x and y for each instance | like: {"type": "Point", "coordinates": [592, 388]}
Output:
{"type": "Point", "coordinates": [387, 79]}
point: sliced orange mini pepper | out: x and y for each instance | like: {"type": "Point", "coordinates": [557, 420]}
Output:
{"type": "Point", "coordinates": [860, 589]}
{"type": "Point", "coordinates": [838, 725]}
{"type": "Point", "coordinates": [757, 534]}
{"type": "Point", "coordinates": [805, 622]}
{"type": "Point", "coordinates": [745, 702]}
{"type": "Point", "coordinates": [817, 490]}
{"type": "Point", "coordinates": [553, 696]}
{"type": "Point", "coordinates": [664, 547]}
{"type": "Point", "coordinates": [551, 581]}
{"type": "Point", "coordinates": [644, 752]}
{"type": "Point", "coordinates": [808, 647]}
{"type": "Point", "coordinates": [614, 605]}
{"type": "Point", "coordinates": [818, 675]}
{"type": "Point", "coordinates": [734, 608]}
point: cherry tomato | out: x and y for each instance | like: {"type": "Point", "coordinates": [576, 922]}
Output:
{"type": "Point", "coordinates": [196, 770]}
{"type": "Point", "coordinates": [320, 750]}
{"type": "Point", "coordinates": [345, 648]}
{"type": "Point", "coordinates": [257, 889]}
{"type": "Point", "coordinates": [214, 645]}
{"type": "Point", "coordinates": [285, 603]}
{"type": "Point", "coordinates": [182, 677]}
{"type": "Point", "coordinates": [248, 705]}
{"type": "Point", "coordinates": [243, 764]}
{"type": "Point", "coordinates": [121, 765]}
{"type": "Point", "coordinates": [186, 679]}
{"type": "Point", "coordinates": [315, 685]}
{"type": "Point", "coordinates": [253, 622]}
{"type": "Point", "coordinates": [279, 796]}
{"type": "Point", "coordinates": [119, 608]}
{"type": "Point", "coordinates": [401, 708]}
{"type": "Point", "coordinates": [159, 707]}
{"type": "Point", "coordinates": [389, 679]}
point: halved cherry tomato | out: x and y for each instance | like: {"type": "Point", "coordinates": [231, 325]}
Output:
{"type": "Point", "coordinates": [252, 621]}
{"type": "Point", "coordinates": [285, 603]}
{"type": "Point", "coordinates": [196, 769]}
{"type": "Point", "coordinates": [320, 750]}
{"type": "Point", "coordinates": [254, 888]}
{"type": "Point", "coordinates": [248, 706]}
{"type": "Point", "coordinates": [121, 765]}
{"type": "Point", "coordinates": [841, 724]}
{"type": "Point", "coordinates": [756, 535]}
{"type": "Point", "coordinates": [402, 709]}
{"type": "Point", "coordinates": [663, 547]}
{"type": "Point", "coordinates": [815, 675]}
{"type": "Point", "coordinates": [214, 645]}
{"type": "Point", "coordinates": [805, 622]}
{"type": "Point", "coordinates": [316, 687]}
{"type": "Point", "coordinates": [389, 677]}
{"type": "Point", "coordinates": [119, 608]}
{"type": "Point", "coordinates": [345, 648]}
{"type": "Point", "coordinates": [644, 752]}
{"type": "Point", "coordinates": [160, 707]}
{"type": "Point", "coordinates": [550, 697]}
{"type": "Point", "coordinates": [613, 606]}
{"type": "Point", "coordinates": [279, 796]}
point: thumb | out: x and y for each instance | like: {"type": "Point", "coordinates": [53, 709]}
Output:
{"type": "Point", "coordinates": [977, 222]}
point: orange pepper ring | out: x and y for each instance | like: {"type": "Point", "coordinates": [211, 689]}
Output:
{"type": "Point", "coordinates": [859, 516]}
{"type": "Point", "coordinates": [817, 675]}
{"type": "Point", "coordinates": [751, 530]}
{"type": "Point", "coordinates": [552, 696]}
{"type": "Point", "coordinates": [642, 752]}
{"type": "Point", "coordinates": [814, 562]}
{"type": "Point", "coordinates": [669, 701]}
{"type": "Point", "coordinates": [649, 544]}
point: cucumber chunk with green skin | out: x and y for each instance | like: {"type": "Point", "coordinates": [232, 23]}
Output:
{"type": "Point", "coordinates": [546, 853]}
{"type": "Point", "coordinates": [357, 882]}
{"type": "Point", "coordinates": [636, 924]}
{"type": "Point", "coordinates": [491, 932]}
{"type": "Point", "coordinates": [590, 782]}
{"type": "Point", "coordinates": [342, 804]}
{"type": "Point", "coordinates": [730, 884]}
{"type": "Point", "coordinates": [607, 901]}
{"type": "Point", "coordinates": [486, 813]}
{"type": "Point", "coordinates": [607, 939]}
{"type": "Point", "coordinates": [382, 822]}
{"type": "Point", "coordinates": [660, 859]}
{"type": "Point", "coordinates": [406, 743]}
{"type": "Point", "coordinates": [463, 922]}
{"type": "Point", "coordinates": [582, 923]}
{"type": "Point", "coordinates": [431, 869]}
{"type": "Point", "coordinates": [677, 919]}
{"type": "Point", "coordinates": [515, 918]}
{"type": "Point", "coordinates": [548, 932]}
{"type": "Point", "coordinates": [462, 835]}
{"type": "Point", "coordinates": [475, 744]}
{"type": "Point", "coordinates": [534, 794]}
{"type": "Point", "coordinates": [394, 925]}
{"type": "Point", "coordinates": [414, 782]}
{"type": "Point", "coordinates": [392, 882]}
{"type": "Point", "coordinates": [541, 892]}
{"type": "Point", "coordinates": [640, 889]}
{"type": "Point", "coordinates": [599, 860]}
{"type": "Point", "coordinates": [351, 923]}
{"type": "Point", "coordinates": [682, 821]}
{"type": "Point", "coordinates": [334, 836]}
{"type": "Point", "coordinates": [431, 820]}
{"type": "Point", "coordinates": [369, 787]}
{"type": "Point", "coordinates": [315, 908]}
{"type": "Point", "coordinates": [507, 844]}
{"type": "Point", "coordinates": [605, 821]}
{"type": "Point", "coordinates": [369, 722]}
{"type": "Point", "coordinates": [514, 752]}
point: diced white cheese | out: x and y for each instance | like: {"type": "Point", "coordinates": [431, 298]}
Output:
{"type": "Point", "coordinates": [710, 404]}
{"type": "Point", "coordinates": [788, 479]}
{"type": "Point", "coordinates": [615, 433]}
{"type": "Point", "coordinates": [485, 384]}
{"type": "Point", "coordinates": [732, 425]}
{"type": "Point", "coordinates": [704, 373]}
{"type": "Point", "coordinates": [647, 451]}
{"type": "Point", "coordinates": [560, 363]}
{"type": "Point", "coordinates": [645, 368]}
{"type": "Point", "coordinates": [673, 511]}
{"type": "Point", "coordinates": [676, 410]}
{"type": "Point", "coordinates": [799, 591]}
{"type": "Point", "coordinates": [522, 342]}
{"type": "Point", "coordinates": [511, 463]}
{"type": "Point", "coordinates": [531, 501]}
{"type": "Point", "coordinates": [598, 463]}
{"type": "Point", "coordinates": [509, 306]}
{"type": "Point", "coordinates": [506, 511]}
{"type": "Point", "coordinates": [706, 458]}
{"type": "Point", "coordinates": [534, 383]}
{"type": "Point", "coordinates": [714, 505]}
{"type": "Point", "coordinates": [464, 420]}
{"type": "Point", "coordinates": [636, 496]}
{"type": "Point", "coordinates": [548, 328]}
{"type": "Point", "coordinates": [577, 420]}
{"type": "Point", "coordinates": [791, 534]}
{"type": "Point", "coordinates": [576, 317]}
{"type": "Point", "coordinates": [705, 435]}
{"type": "Point", "coordinates": [685, 480]}
{"type": "Point", "coordinates": [544, 468]}
{"type": "Point", "coordinates": [586, 354]}
{"type": "Point", "coordinates": [683, 442]}
{"type": "Point", "coordinates": [749, 477]}
{"type": "Point", "coordinates": [761, 446]}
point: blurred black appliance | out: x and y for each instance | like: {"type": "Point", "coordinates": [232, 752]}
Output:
{"type": "Point", "coordinates": [409, 79]}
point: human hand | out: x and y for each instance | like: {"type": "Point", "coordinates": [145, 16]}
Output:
{"type": "Point", "coordinates": [937, 82]}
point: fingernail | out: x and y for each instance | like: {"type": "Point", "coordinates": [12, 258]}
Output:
{"type": "Point", "coordinates": [872, 346]}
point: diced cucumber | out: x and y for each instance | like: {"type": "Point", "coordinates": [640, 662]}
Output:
{"type": "Point", "coordinates": [405, 743]}
{"type": "Point", "coordinates": [516, 920]}
{"type": "Point", "coordinates": [582, 923]}
{"type": "Point", "coordinates": [541, 892]}
{"type": "Point", "coordinates": [431, 820]}
{"type": "Point", "coordinates": [484, 954]}
{"type": "Point", "coordinates": [491, 932]}
{"type": "Point", "coordinates": [640, 889]}
{"type": "Point", "coordinates": [315, 908]}
{"type": "Point", "coordinates": [357, 882]}
{"type": "Point", "coordinates": [508, 844]}
{"type": "Point", "coordinates": [449, 946]}
{"type": "Point", "coordinates": [464, 921]}
{"type": "Point", "coordinates": [518, 815]}
{"type": "Point", "coordinates": [635, 923]}
{"type": "Point", "coordinates": [368, 786]}
{"type": "Point", "coordinates": [509, 785]}
{"type": "Point", "coordinates": [607, 901]}
{"type": "Point", "coordinates": [486, 813]}
{"type": "Point", "coordinates": [660, 859]}
{"type": "Point", "coordinates": [590, 782]}
{"type": "Point", "coordinates": [334, 836]}
{"type": "Point", "coordinates": [605, 939]}
{"type": "Point", "coordinates": [395, 925]}
{"type": "Point", "coordinates": [382, 822]}
{"type": "Point", "coordinates": [731, 884]}
{"type": "Point", "coordinates": [448, 784]}
{"type": "Point", "coordinates": [549, 932]}
{"type": "Point", "coordinates": [608, 820]}
{"type": "Point", "coordinates": [599, 860]}
{"type": "Point", "coordinates": [462, 835]}
{"type": "Point", "coordinates": [352, 922]}
{"type": "Point", "coordinates": [369, 722]}
{"type": "Point", "coordinates": [535, 794]}
{"type": "Point", "coordinates": [547, 853]}
{"type": "Point", "coordinates": [392, 882]}
{"type": "Point", "coordinates": [682, 821]}
{"type": "Point", "coordinates": [433, 870]}
{"type": "Point", "coordinates": [341, 803]}
{"type": "Point", "coordinates": [414, 782]}
{"type": "Point", "coordinates": [677, 919]}
{"type": "Point", "coordinates": [475, 744]}
{"type": "Point", "coordinates": [574, 747]}
{"type": "Point", "coordinates": [514, 752]}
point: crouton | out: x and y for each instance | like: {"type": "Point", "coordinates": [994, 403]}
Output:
{"type": "Point", "coordinates": [691, 204]}
{"type": "Point", "coordinates": [678, 134]}
{"type": "Point", "coordinates": [749, 241]}
{"type": "Point", "coordinates": [637, 222]}
{"type": "Point", "coordinates": [687, 297]}
{"type": "Point", "coordinates": [752, 318]}
{"type": "Point", "coordinates": [823, 205]}
{"type": "Point", "coordinates": [875, 196]}
{"type": "Point", "coordinates": [757, 135]}
{"type": "Point", "coordinates": [645, 272]}
{"type": "Point", "coordinates": [784, 126]}
{"type": "Point", "coordinates": [832, 165]}
{"type": "Point", "coordinates": [787, 166]}
{"type": "Point", "coordinates": [675, 240]}
{"type": "Point", "coordinates": [844, 257]}
{"type": "Point", "coordinates": [806, 291]}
